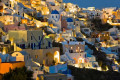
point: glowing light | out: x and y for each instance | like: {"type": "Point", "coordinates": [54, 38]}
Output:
{"type": "Point", "coordinates": [38, 26]}
{"type": "Point", "coordinates": [47, 37]}
{"type": "Point", "coordinates": [99, 69]}
{"type": "Point", "coordinates": [4, 50]}
{"type": "Point", "coordinates": [48, 12]}
{"type": "Point", "coordinates": [56, 57]}
{"type": "Point", "coordinates": [76, 65]}
{"type": "Point", "coordinates": [114, 24]}
{"type": "Point", "coordinates": [80, 60]}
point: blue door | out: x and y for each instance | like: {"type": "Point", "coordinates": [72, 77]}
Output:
{"type": "Point", "coordinates": [39, 46]}
{"type": "Point", "coordinates": [48, 44]}
{"type": "Point", "coordinates": [32, 46]}
{"type": "Point", "coordinates": [23, 46]}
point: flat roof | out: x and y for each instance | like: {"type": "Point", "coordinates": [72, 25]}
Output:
{"type": "Point", "coordinates": [13, 62]}
{"type": "Point", "coordinates": [52, 74]}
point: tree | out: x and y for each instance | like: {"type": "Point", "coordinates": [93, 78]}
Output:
{"type": "Point", "coordinates": [92, 74]}
{"type": "Point", "coordinates": [18, 74]}
{"type": "Point", "coordinates": [100, 63]}
{"type": "Point", "coordinates": [99, 26]}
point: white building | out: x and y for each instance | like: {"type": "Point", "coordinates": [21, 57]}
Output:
{"type": "Point", "coordinates": [75, 55]}
{"type": "Point", "coordinates": [55, 19]}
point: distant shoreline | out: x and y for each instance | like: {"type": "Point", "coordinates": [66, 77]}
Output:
{"type": "Point", "coordinates": [83, 4]}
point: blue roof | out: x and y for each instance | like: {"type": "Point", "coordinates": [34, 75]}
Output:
{"type": "Point", "coordinates": [23, 52]}
{"type": "Point", "coordinates": [89, 55]}
{"type": "Point", "coordinates": [69, 20]}
{"type": "Point", "coordinates": [5, 56]}
{"type": "Point", "coordinates": [54, 12]}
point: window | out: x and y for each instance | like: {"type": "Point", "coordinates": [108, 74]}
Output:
{"type": "Point", "coordinates": [52, 16]}
{"type": "Point", "coordinates": [46, 55]}
{"type": "Point", "coordinates": [36, 56]}
{"type": "Point", "coordinates": [85, 55]}
{"type": "Point", "coordinates": [107, 35]}
{"type": "Point", "coordinates": [31, 37]}
{"type": "Point", "coordinates": [16, 54]}
{"type": "Point", "coordinates": [86, 30]}
{"type": "Point", "coordinates": [71, 51]}
{"type": "Point", "coordinates": [34, 44]}
{"type": "Point", "coordinates": [49, 44]}
{"type": "Point", "coordinates": [27, 57]}
{"type": "Point", "coordinates": [97, 14]}
{"type": "Point", "coordinates": [39, 37]}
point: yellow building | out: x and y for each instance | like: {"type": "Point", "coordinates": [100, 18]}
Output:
{"type": "Point", "coordinates": [45, 56]}
{"type": "Point", "coordinates": [7, 19]}
{"type": "Point", "coordinates": [104, 36]}
{"type": "Point", "coordinates": [117, 14]}
{"type": "Point", "coordinates": [35, 3]}
{"type": "Point", "coordinates": [45, 11]}
{"type": "Point", "coordinates": [30, 39]}
{"type": "Point", "coordinates": [24, 21]}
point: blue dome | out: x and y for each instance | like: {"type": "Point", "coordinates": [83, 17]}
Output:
{"type": "Point", "coordinates": [77, 19]}
{"type": "Point", "coordinates": [69, 20]}
{"type": "Point", "coordinates": [54, 12]}
{"type": "Point", "coordinates": [116, 9]}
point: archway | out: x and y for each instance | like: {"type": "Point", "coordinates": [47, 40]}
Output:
{"type": "Point", "coordinates": [49, 59]}
{"type": "Point", "coordinates": [56, 56]}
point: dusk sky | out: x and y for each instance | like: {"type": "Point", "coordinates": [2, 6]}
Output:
{"type": "Point", "coordinates": [96, 3]}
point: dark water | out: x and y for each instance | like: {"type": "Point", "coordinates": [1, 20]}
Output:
{"type": "Point", "coordinates": [95, 3]}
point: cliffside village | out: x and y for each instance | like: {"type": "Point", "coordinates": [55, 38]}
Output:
{"type": "Point", "coordinates": [48, 35]}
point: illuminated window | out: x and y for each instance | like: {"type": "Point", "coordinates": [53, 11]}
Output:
{"type": "Point", "coordinates": [36, 56]}
{"type": "Point", "coordinates": [41, 78]}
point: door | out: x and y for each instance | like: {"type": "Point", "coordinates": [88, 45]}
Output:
{"type": "Point", "coordinates": [32, 46]}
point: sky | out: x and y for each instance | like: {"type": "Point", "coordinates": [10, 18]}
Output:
{"type": "Point", "coordinates": [95, 3]}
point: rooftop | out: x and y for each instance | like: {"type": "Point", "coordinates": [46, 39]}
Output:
{"type": "Point", "coordinates": [54, 12]}
{"type": "Point", "coordinates": [69, 20]}
{"type": "Point", "coordinates": [52, 74]}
